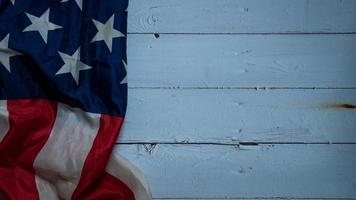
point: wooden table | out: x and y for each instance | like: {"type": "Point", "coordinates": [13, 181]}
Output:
{"type": "Point", "coordinates": [243, 99]}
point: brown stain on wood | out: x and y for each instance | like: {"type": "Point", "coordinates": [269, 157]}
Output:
{"type": "Point", "coordinates": [340, 106]}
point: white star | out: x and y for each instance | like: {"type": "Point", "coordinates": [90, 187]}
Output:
{"type": "Point", "coordinates": [13, 2]}
{"type": "Point", "coordinates": [124, 81]}
{"type": "Point", "coordinates": [6, 53]}
{"type": "Point", "coordinates": [106, 32]}
{"type": "Point", "coordinates": [41, 24]}
{"type": "Point", "coordinates": [72, 65]}
{"type": "Point", "coordinates": [79, 3]}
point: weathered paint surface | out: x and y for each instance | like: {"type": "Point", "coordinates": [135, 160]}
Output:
{"type": "Point", "coordinates": [218, 171]}
{"type": "Point", "coordinates": [242, 60]}
{"type": "Point", "coordinates": [240, 101]}
{"type": "Point", "coordinates": [232, 116]}
{"type": "Point", "coordinates": [242, 16]}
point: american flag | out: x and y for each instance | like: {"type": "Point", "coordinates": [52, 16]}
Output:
{"type": "Point", "coordinates": [63, 97]}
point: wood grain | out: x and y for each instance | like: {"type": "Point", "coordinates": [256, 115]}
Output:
{"type": "Point", "coordinates": [268, 171]}
{"type": "Point", "coordinates": [242, 61]}
{"type": "Point", "coordinates": [198, 129]}
{"type": "Point", "coordinates": [242, 16]}
{"type": "Point", "coordinates": [232, 116]}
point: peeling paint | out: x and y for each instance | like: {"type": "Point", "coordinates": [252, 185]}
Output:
{"type": "Point", "coordinates": [243, 170]}
{"type": "Point", "coordinates": [149, 147]}
{"type": "Point", "coordinates": [242, 52]}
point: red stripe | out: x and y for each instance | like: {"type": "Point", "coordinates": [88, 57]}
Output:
{"type": "Point", "coordinates": [110, 188]}
{"type": "Point", "coordinates": [31, 122]}
{"type": "Point", "coordinates": [94, 179]}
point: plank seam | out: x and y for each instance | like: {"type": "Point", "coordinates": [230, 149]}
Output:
{"type": "Point", "coordinates": [258, 198]}
{"type": "Point", "coordinates": [236, 143]}
{"type": "Point", "coordinates": [238, 88]}
{"type": "Point", "coordinates": [245, 33]}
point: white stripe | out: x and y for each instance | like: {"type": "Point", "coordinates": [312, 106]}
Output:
{"type": "Point", "coordinates": [46, 190]}
{"type": "Point", "coordinates": [123, 170]}
{"type": "Point", "coordinates": [4, 120]}
{"type": "Point", "coordinates": [61, 160]}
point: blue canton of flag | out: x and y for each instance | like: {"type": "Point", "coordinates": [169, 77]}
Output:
{"type": "Point", "coordinates": [70, 51]}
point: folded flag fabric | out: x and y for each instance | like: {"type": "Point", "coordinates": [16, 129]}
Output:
{"type": "Point", "coordinates": [63, 97]}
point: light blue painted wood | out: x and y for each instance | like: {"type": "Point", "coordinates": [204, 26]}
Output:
{"type": "Point", "coordinates": [242, 16]}
{"type": "Point", "coordinates": [205, 50]}
{"type": "Point", "coordinates": [242, 60]}
{"type": "Point", "coordinates": [230, 116]}
{"type": "Point", "coordinates": [213, 171]}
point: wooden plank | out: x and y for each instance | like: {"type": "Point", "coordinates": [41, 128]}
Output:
{"type": "Point", "coordinates": [242, 61]}
{"type": "Point", "coordinates": [230, 116]}
{"type": "Point", "coordinates": [213, 171]}
{"type": "Point", "coordinates": [242, 16]}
